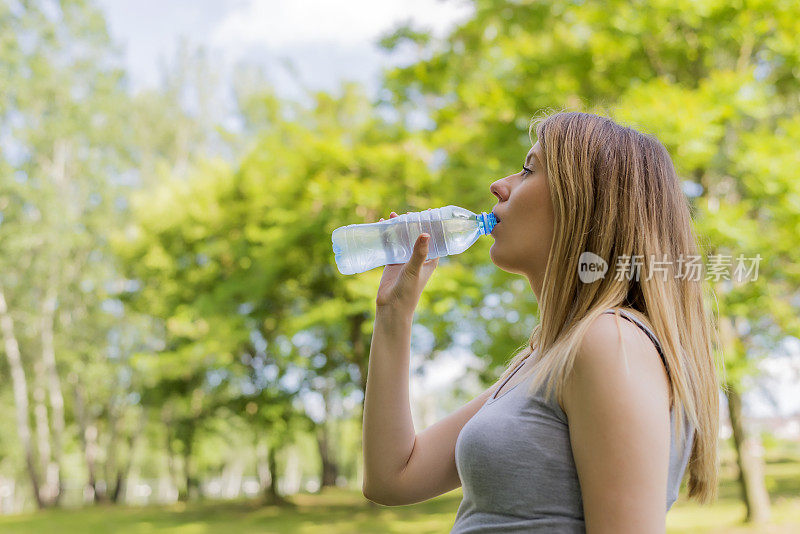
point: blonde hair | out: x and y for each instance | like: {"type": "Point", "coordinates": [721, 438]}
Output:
{"type": "Point", "coordinates": [615, 193]}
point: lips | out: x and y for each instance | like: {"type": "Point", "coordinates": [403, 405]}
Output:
{"type": "Point", "coordinates": [497, 223]}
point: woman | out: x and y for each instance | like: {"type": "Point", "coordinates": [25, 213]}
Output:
{"type": "Point", "coordinates": [621, 391]}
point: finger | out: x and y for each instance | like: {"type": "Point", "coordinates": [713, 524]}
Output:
{"type": "Point", "coordinates": [420, 253]}
{"type": "Point", "coordinates": [393, 214]}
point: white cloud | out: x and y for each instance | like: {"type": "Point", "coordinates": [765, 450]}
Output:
{"type": "Point", "coordinates": [287, 23]}
{"type": "Point", "coordinates": [781, 376]}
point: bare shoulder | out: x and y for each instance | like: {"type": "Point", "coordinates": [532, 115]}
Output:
{"type": "Point", "coordinates": [615, 352]}
{"type": "Point", "coordinates": [617, 404]}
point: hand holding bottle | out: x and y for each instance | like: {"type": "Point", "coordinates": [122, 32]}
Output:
{"type": "Point", "coordinates": [402, 283]}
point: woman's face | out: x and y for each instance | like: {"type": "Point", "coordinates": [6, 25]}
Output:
{"type": "Point", "coordinates": [524, 232]}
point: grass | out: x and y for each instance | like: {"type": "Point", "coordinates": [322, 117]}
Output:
{"type": "Point", "coordinates": [345, 511]}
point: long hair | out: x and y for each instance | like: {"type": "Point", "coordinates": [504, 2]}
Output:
{"type": "Point", "coordinates": [615, 193]}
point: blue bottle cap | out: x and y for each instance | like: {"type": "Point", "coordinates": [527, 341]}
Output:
{"type": "Point", "coordinates": [487, 222]}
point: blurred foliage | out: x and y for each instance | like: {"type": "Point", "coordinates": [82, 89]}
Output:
{"type": "Point", "coordinates": [716, 82]}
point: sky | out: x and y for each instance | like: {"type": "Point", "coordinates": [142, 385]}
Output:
{"type": "Point", "coordinates": [329, 42]}
{"type": "Point", "coordinates": [326, 41]}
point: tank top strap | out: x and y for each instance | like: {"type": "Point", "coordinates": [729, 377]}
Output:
{"type": "Point", "coordinates": [630, 317]}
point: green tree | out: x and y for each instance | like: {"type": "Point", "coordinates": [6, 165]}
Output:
{"type": "Point", "coordinates": [59, 149]}
{"type": "Point", "coordinates": [233, 258]}
{"type": "Point", "coordinates": [703, 76]}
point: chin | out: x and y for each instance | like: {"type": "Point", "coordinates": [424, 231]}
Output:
{"type": "Point", "coordinates": [502, 265]}
{"type": "Point", "coordinates": [506, 266]}
{"type": "Point", "coordinates": [493, 256]}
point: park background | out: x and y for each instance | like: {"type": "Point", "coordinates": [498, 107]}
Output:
{"type": "Point", "coordinates": [179, 351]}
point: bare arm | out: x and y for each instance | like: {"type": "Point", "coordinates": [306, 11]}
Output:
{"type": "Point", "coordinates": [401, 467]}
{"type": "Point", "coordinates": [618, 414]}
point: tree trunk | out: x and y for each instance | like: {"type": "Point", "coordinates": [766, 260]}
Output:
{"type": "Point", "coordinates": [273, 495]}
{"type": "Point", "coordinates": [54, 391]}
{"type": "Point", "coordinates": [20, 386]}
{"type": "Point", "coordinates": [330, 470]}
{"type": "Point", "coordinates": [325, 441]}
{"type": "Point", "coordinates": [122, 473]}
{"type": "Point", "coordinates": [192, 484]}
{"type": "Point", "coordinates": [268, 473]}
{"type": "Point", "coordinates": [88, 435]}
{"type": "Point", "coordinates": [171, 467]}
{"type": "Point", "coordinates": [262, 467]}
{"type": "Point", "coordinates": [750, 462]}
{"type": "Point", "coordinates": [273, 475]}
{"type": "Point", "coordinates": [49, 486]}
{"type": "Point", "coordinates": [114, 422]}
{"type": "Point", "coordinates": [361, 356]}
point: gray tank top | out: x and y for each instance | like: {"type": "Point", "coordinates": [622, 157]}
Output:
{"type": "Point", "coordinates": [515, 462]}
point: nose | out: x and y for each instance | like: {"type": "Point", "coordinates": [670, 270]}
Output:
{"type": "Point", "coordinates": [500, 189]}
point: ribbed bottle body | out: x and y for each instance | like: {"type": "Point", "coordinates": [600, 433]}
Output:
{"type": "Point", "coordinates": [361, 247]}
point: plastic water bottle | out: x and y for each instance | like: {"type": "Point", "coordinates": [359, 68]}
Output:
{"type": "Point", "coordinates": [361, 247]}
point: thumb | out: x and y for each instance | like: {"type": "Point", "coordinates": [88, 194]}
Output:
{"type": "Point", "coordinates": [418, 257]}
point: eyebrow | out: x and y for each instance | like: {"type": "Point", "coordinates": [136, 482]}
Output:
{"type": "Point", "coordinates": [530, 155]}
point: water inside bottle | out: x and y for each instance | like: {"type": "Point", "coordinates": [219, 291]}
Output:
{"type": "Point", "coordinates": [392, 241]}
